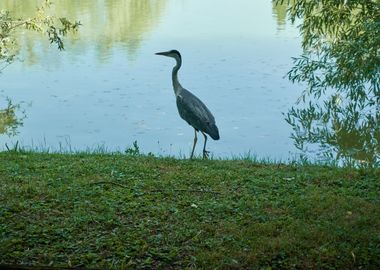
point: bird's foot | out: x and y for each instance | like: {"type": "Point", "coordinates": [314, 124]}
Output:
{"type": "Point", "coordinates": [205, 154]}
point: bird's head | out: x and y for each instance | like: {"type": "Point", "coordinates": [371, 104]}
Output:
{"type": "Point", "coordinates": [172, 53]}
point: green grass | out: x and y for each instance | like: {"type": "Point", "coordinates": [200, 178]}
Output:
{"type": "Point", "coordinates": [120, 211]}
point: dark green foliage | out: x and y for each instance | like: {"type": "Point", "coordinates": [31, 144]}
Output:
{"type": "Point", "coordinates": [120, 211]}
{"type": "Point", "coordinates": [134, 150]}
{"type": "Point", "coordinates": [54, 28]}
{"type": "Point", "coordinates": [340, 67]}
{"type": "Point", "coordinates": [56, 33]}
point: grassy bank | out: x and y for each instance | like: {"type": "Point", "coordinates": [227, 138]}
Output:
{"type": "Point", "coordinates": [120, 211]}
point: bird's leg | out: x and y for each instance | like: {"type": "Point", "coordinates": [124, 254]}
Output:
{"type": "Point", "coordinates": [195, 142]}
{"type": "Point", "coordinates": [205, 153]}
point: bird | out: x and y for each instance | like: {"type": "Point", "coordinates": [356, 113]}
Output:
{"type": "Point", "coordinates": [191, 108]}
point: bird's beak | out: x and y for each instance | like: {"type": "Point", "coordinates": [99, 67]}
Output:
{"type": "Point", "coordinates": [162, 53]}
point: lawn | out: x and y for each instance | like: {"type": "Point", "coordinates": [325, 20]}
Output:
{"type": "Point", "coordinates": [132, 211]}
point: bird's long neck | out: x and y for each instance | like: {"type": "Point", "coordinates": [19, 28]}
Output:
{"type": "Point", "coordinates": [176, 85]}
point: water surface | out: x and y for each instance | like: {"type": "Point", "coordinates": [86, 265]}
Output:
{"type": "Point", "coordinates": [108, 88]}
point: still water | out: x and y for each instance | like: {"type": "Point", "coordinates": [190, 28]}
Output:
{"type": "Point", "coordinates": [109, 89]}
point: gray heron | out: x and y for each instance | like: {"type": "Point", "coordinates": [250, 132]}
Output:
{"type": "Point", "coordinates": [190, 108]}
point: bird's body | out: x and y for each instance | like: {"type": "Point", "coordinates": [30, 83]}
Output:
{"type": "Point", "coordinates": [194, 111]}
{"type": "Point", "coordinates": [191, 108]}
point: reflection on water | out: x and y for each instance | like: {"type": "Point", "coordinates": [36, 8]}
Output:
{"type": "Point", "coordinates": [338, 114]}
{"type": "Point", "coordinates": [342, 133]}
{"type": "Point", "coordinates": [9, 121]}
{"type": "Point", "coordinates": [94, 96]}
{"type": "Point", "coordinates": [105, 23]}
{"type": "Point", "coordinates": [356, 142]}
{"type": "Point", "coordinates": [279, 11]}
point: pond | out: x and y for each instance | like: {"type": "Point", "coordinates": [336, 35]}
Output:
{"type": "Point", "coordinates": [108, 89]}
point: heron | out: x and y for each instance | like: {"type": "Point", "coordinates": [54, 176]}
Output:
{"type": "Point", "coordinates": [191, 108]}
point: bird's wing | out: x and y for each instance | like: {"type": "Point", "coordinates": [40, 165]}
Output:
{"type": "Point", "coordinates": [194, 111]}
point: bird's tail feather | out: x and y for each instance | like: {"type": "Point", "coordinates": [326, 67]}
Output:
{"type": "Point", "coordinates": [213, 131]}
